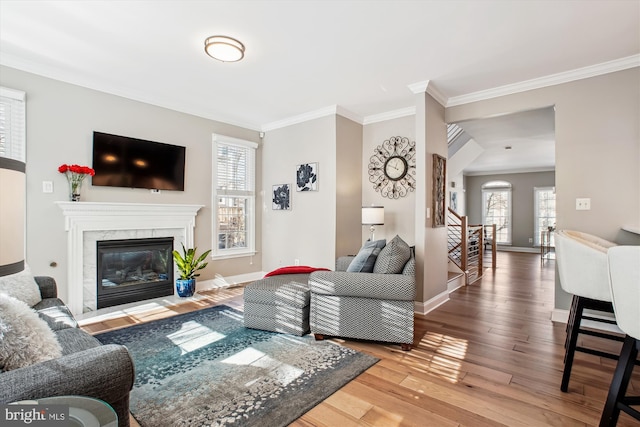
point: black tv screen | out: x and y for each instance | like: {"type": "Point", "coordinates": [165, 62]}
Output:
{"type": "Point", "coordinates": [120, 161]}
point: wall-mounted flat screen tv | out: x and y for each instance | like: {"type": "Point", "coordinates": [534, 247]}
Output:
{"type": "Point", "coordinates": [121, 161]}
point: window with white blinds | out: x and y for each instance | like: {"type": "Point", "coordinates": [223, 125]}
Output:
{"type": "Point", "coordinates": [233, 196]}
{"type": "Point", "coordinates": [12, 124]}
{"type": "Point", "coordinates": [545, 213]}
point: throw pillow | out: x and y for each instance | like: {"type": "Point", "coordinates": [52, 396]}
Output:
{"type": "Point", "coordinates": [25, 339]}
{"type": "Point", "coordinates": [366, 258]}
{"type": "Point", "coordinates": [410, 267]}
{"type": "Point", "coordinates": [22, 286]}
{"type": "Point", "coordinates": [393, 257]}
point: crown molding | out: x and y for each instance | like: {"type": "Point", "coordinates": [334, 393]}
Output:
{"type": "Point", "coordinates": [75, 79]}
{"type": "Point", "coordinates": [419, 87]}
{"type": "Point", "coordinates": [433, 90]}
{"type": "Point", "coordinates": [429, 87]}
{"type": "Point", "coordinates": [341, 111]}
{"type": "Point", "coordinates": [389, 115]}
{"type": "Point", "coordinates": [331, 110]}
{"type": "Point", "coordinates": [300, 118]}
{"type": "Point", "coordinates": [550, 80]}
{"type": "Point", "coordinates": [511, 171]}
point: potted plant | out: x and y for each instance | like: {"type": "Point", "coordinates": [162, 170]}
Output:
{"type": "Point", "coordinates": [188, 264]}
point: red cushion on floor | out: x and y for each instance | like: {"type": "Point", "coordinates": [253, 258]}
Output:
{"type": "Point", "coordinates": [295, 269]}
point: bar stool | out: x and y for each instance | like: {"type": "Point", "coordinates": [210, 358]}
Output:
{"type": "Point", "coordinates": [582, 266]}
{"type": "Point", "coordinates": [624, 275]}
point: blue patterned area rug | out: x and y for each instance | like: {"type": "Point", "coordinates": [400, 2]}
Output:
{"type": "Point", "coordinates": [205, 368]}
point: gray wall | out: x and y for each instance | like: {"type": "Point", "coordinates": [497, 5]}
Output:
{"type": "Point", "coordinates": [522, 201]}
{"type": "Point", "coordinates": [307, 231]}
{"type": "Point", "coordinates": [431, 243]}
{"type": "Point", "coordinates": [60, 121]}
{"type": "Point", "coordinates": [323, 224]}
{"type": "Point", "coordinates": [597, 150]}
{"type": "Point", "coordinates": [349, 165]}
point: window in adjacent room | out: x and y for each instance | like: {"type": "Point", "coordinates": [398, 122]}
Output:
{"type": "Point", "coordinates": [545, 212]}
{"type": "Point", "coordinates": [496, 209]}
{"type": "Point", "coordinates": [233, 197]}
{"type": "Point", "coordinates": [12, 124]}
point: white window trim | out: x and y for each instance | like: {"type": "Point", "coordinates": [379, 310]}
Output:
{"type": "Point", "coordinates": [493, 188]}
{"type": "Point", "coordinates": [536, 210]}
{"type": "Point", "coordinates": [251, 202]}
{"type": "Point", "coordinates": [17, 138]}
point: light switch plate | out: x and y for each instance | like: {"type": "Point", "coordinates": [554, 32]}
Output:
{"type": "Point", "coordinates": [47, 186]}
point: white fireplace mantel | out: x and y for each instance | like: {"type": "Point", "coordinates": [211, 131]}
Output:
{"type": "Point", "coordinates": [86, 222]}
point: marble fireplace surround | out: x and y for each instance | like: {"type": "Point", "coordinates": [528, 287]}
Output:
{"type": "Point", "coordinates": [88, 222]}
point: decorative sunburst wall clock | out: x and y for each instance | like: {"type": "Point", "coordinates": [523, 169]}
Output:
{"type": "Point", "coordinates": [392, 167]}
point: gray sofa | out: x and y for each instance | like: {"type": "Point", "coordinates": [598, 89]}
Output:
{"type": "Point", "coordinates": [86, 368]}
{"type": "Point", "coordinates": [369, 306]}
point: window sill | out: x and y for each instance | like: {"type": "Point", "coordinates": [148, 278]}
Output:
{"type": "Point", "coordinates": [218, 257]}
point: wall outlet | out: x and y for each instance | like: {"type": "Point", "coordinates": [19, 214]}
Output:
{"type": "Point", "coordinates": [583, 204]}
{"type": "Point", "coordinates": [155, 191]}
{"type": "Point", "coordinates": [296, 261]}
{"type": "Point", "coordinates": [530, 239]}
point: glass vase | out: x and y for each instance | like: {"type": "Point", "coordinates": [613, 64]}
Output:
{"type": "Point", "coordinates": [74, 190]}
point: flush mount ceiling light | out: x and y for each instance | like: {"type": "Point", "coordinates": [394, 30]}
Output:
{"type": "Point", "coordinates": [223, 48]}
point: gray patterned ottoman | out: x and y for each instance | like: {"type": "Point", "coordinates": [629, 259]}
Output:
{"type": "Point", "coordinates": [278, 304]}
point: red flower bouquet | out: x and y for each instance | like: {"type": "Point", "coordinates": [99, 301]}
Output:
{"type": "Point", "coordinates": [75, 175]}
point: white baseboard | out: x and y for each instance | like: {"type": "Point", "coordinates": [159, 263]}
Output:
{"type": "Point", "coordinates": [562, 316]}
{"type": "Point", "coordinates": [229, 281]}
{"type": "Point", "coordinates": [428, 306]}
{"type": "Point", "coordinates": [457, 283]}
{"type": "Point", "coordinates": [519, 249]}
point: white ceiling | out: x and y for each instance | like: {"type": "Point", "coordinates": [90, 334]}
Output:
{"type": "Point", "coordinates": [529, 134]}
{"type": "Point", "coordinates": [308, 56]}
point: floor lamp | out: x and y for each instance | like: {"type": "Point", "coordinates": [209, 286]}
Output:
{"type": "Point", "coordinates": [372, 215]}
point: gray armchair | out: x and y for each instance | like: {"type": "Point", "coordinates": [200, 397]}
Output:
{"type": "Point", "coordinates": [369, 306]}
{"type": "Point", "coordinates": [86, 368]}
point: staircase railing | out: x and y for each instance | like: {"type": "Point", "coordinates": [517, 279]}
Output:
{"type": "Point", "coordinates": [490, 240]}
{"type": "Point", "coordinates": [457, 234]}
{"type": "Point", "coordinates": [466, 245]}
{"type": "Point", "coordinates": [475, 242]}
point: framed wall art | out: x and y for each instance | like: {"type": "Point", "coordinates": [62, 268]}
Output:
{"type": "Point", "coordinates": [453, 202]}
{"type": "Point", "coordinates": [439, 191]}
{"type": "Point", "coordinates": [307, 177]}
{"type": "Point", "coordinates": [281, 197]}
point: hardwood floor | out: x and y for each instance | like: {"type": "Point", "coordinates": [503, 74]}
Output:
{"type": "Point", "coordinates": [488, 357]}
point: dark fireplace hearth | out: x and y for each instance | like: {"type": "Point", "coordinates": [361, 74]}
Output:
{"type": "Point", "coordinates": [134, 270]}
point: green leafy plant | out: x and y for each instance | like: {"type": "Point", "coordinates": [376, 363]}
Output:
{"type": "Point", "coordinates": [188, 264]}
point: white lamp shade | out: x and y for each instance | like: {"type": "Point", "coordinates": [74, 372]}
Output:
{"type": "Point", "coordinates": [373, 215]}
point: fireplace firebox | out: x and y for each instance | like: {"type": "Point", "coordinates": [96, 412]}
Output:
{"type": "Point", "coordinates": [133, 270]}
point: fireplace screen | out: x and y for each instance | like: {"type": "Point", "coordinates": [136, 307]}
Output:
{"type": "Point", "coordinates": [134, 270]}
